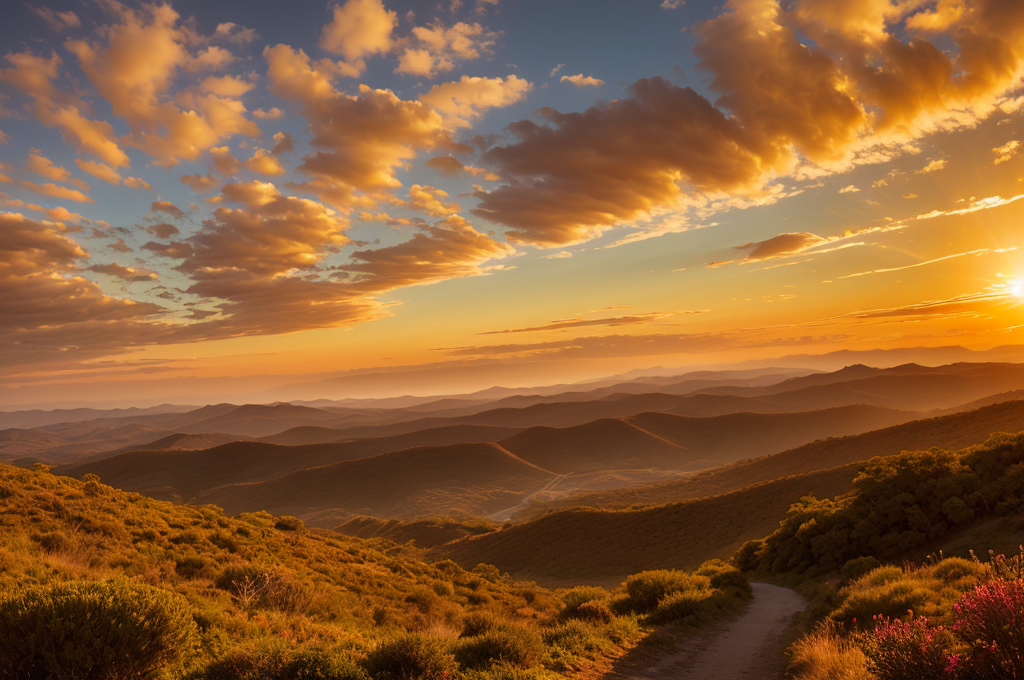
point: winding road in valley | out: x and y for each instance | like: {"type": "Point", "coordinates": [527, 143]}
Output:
{"type": "Point", "coordinates": [748, 647]}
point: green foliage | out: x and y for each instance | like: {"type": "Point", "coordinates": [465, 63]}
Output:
{"type": "Point", "coordinates": [81, 630]}
{"type": "Point", "coordinates": [411, 657]}
{"type": "Point", "coordinates": [576, 597]}
{"type": "Point", "coordinates": [644, 591]}
{"type": "Point", "coordinates": [857, 567]}
{"type": "Point", "coordinates": [899, 504]}
{"type": "Point", "coordinates": [678, 605]}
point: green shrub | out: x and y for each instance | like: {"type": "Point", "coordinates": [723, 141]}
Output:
{"type": "Point", "coordinates": [857, 567]}
{"type": "Point", "coordinates": [574, 598]}
{"type": "Point", "coordinates": [508, 645]}
{"type": "Point", "coordinates": [726, 577]}
{"type": "Point", "coordinates": [645, 590]}
{"type": "Point", "coordinates": [748, 555]}
{"type": "Point", "coordinates": [411, 657]}
{"type": "Point", "coordinates": [678, 605]}
{"type": "Point", "coordinates": [117, 629]}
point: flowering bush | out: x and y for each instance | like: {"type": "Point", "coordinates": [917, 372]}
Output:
{"type": "Point", "coordinates": [990, 621]}
{"type": "Point", "coordinates": [908, 650]}
{"type": "Point", "coordinates": [986, 641]}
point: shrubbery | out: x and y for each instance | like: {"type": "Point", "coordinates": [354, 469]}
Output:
{"type": "Point", "coordinates": [412, 657]}
{"type": "Point", "coordinates": [116, 629]}
{"type": "Point", "coordinates": [508, 645]}
{"type": "Point", "coordinates": [899, 504]}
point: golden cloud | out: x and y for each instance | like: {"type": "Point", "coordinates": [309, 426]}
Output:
{"type": "Point", "coordinates": [859, 94]}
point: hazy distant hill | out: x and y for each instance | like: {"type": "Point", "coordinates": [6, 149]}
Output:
{"type": "Point", "coordinates": [951, 432]}
{"type": "Point", "coordinates": [478, 478]}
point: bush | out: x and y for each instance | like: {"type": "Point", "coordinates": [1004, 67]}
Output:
{"type": "Point", "coordinates": [908, 650]}
{"type": "Point", "coordinates": [275, 661]}
{"type": "Point", "coordinates": [511, 646]}
{"type": "Point", "coordinates": [991, 621]}
{"type": "Point", "coordinates": [594, 612]}
{"type": "Point", "coordinates": [289, 523]}
{"type": "Point", "coordinates": [857, 567]}
{"type": "Point", "coordinates": [574, 598]}
{"type": "Point", "coordinates": [725, 577]}
{"type": "Point", "coordinates": [477, 623]}
{"type": "Point", "coordinates": [411, 657]}
{"type": "Point", "coordinates": [117, 629]}
{"type": "Point", "coordinates": [645, 590]}
{"type": "Point", "coordinates": [678, 606]}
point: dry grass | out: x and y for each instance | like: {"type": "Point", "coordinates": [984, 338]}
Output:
{"type": "Point", "coordinates": [827, 655]}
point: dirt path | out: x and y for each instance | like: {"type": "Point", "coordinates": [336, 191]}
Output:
{"type": "Point", "coordinates": [745, 648]}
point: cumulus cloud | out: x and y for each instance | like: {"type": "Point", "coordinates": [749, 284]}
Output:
{"type": "Point", "coordinates": [56, 191]}
{"type": "Point", "coordinates": [361, 140]}
{"type": "Point", "coordinates": [849, 189]}
{"type": "Point", "coordinates": [200, 183]}
{"type": "Point", "coordinates": [269, 114]}
{"type": "Point", "coordinates": [359, 28]}
{"type": "Point", "coordinates": [134, 68]}
{"type": "Point", "coordinates": [39, 164]}
{"type": "Point", "coordinates": [469, 97]}
{"type": "Point", "coordinates": [163, 230]}
{"type": "Point", "coordinates": [264, 163]}
{"type": "Point", "coordinates": [1007, 151]}
{"type": "Point", "coordinates": [436, 48]}
{"type": "Point", "coordinates": [167, 208]}
{"type": "Point", "coordinates": [136, 183]}
{"type": "Point", "coordinates": [580, 80]}
{"type": "Point", "coordinates": [34, 76]}
{"type": "Point", "coordinates": [99, 170]}
{"type": "Point", "coordinates": [854, 93]}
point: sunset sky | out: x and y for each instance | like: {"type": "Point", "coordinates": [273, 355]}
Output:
{"type": "Point", "coordinates": [221, 200]}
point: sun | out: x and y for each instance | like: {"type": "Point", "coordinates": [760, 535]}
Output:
{"type": "Point", "coordinates": [1016, 288]}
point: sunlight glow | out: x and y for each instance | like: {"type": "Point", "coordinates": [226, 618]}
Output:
{"type": "Point", "coordinates": [1016, 288]}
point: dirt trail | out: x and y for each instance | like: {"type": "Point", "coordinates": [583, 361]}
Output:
{"type": "Point", "coordinates": [745, 648]}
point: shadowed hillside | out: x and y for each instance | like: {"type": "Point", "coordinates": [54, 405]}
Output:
{"type": "Point", "coordinates": [424, 533]}
{"type": "Point", "coordinates": [607, 444]}
{"type": "Point", "coordinates": [475, 478]}
{"type": "Point", "coordinates": [952, 431]}
{"type": "Point", "coordinates": [598, 546]}
{"type": "Point", "coordinates": [182, 475]}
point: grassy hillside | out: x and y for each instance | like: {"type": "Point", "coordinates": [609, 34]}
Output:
{"type": "Point", "coordinates": [601, 546]}
{"type": "Point", "coordinates": [951, 431]}
{"type": "Point", "coordinates": [425, 480]}
{"type": "Point", "coordinates": [96, 582]}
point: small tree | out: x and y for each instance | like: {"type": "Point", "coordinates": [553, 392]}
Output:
{"type": "Point", "coordinates": [82, 630]}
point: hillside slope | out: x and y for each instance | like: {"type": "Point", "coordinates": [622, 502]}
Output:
{"type": "Point", "coordinates": [477, 478]}
{"type": "Point", "coordinates": [952, 432]}
{"type": "Point", "coordinates": [599, 546]}
{"type": "Point", "coordinates": [182, 475]}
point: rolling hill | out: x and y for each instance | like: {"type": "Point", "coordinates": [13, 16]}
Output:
{"type": "Point", "coordinates": [597, 546]}
{"type": "Point", "coordinates": [478, 478]}
{"type": "Point", "coordinates": [950, 432]}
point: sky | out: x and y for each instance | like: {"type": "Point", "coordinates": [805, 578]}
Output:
{"type": "Point", "coordinates": [201, 201]}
